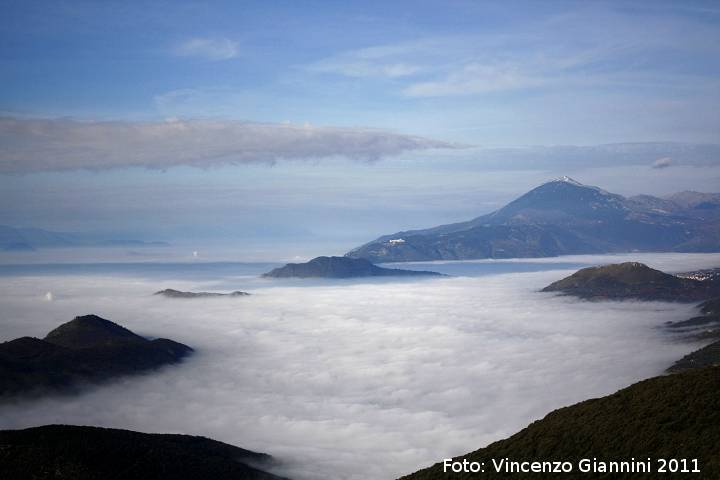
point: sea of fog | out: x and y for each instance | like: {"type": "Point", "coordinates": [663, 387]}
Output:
{"type": "Point", "coordinates": [358, 379]}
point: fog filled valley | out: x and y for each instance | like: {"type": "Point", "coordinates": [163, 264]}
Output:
{"type": "Point", "coordinates": [352, 379]}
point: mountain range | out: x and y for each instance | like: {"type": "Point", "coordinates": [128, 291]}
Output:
{"type": "Point", "coordinates": [563, 217]}
{"type": "Point", "coordinates": [18, 239]}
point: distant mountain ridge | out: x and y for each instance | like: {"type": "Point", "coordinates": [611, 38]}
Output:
{"type": "Point", "coordinates": [340, 267]}
{"type": "Point", "coordinates": [19, 239]}
{"type": "Point", "coordinates": [172, 293]}
{"type": "Point", "coordinates": [563, 217]}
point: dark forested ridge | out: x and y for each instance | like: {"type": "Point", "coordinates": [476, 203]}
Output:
{"type": "Point", "coordinates": [92, 453]}
{"type": "Point", "coordinates": [673, 416]}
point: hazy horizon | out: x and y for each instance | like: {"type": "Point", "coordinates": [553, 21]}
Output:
{"type": "Point", "coordinates": [299, 240]}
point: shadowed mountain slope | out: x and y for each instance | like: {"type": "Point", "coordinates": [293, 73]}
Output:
{"type": "Point", "coordinates": [91, 453]}
{"type": "Point", "coordinates": [86, 349]}
{"type": "Point", "coordinates": [706, 356]}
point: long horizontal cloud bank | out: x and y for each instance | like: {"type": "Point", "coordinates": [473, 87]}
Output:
{"type": "Point", "coordinates": [34, 145]}
{"type": "Point", "coordinates": [657, 155]}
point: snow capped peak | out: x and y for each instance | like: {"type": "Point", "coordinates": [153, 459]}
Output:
{"type": "Point", "coordinates": [569, 180]}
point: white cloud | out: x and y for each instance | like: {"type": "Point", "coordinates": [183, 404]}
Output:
{"type": "Point", "coordinates": [477, 78]}
{"type": "Point", "coordinates": [208, 48]}
{"type": "Point", "coordinates": [384, 61]}
{"type": "Point", "coordinates": [32, 145]}
{"type": "Point", "coordinates": [351, 380]}
{"type": "Point", "coordinates": [591, 156]}
{"type": "Point", "coordinates": [607, 50]}
{"type": "Point", "coordinates": [457, 65]}
{"type": "Point", "coordinates": [663, 162]}
{"type": "Point", "coordinates": [366, 69]}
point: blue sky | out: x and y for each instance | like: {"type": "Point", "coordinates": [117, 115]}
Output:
{"type": "Point", "coordinates": [318, 115]}
{"type": "Point", "coordinates": [495, 73]}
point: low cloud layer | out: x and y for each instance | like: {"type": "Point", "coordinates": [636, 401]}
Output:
{"type": "Point", "coordinates": [33, 145]}
{"type": "Point", "coordinates": [351, 380]}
